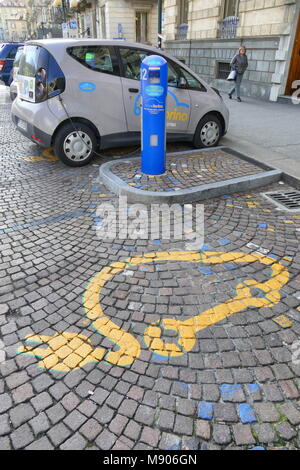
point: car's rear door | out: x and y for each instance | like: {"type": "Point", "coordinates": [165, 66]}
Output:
{"type": "Point", "coordinates": [93, 88]}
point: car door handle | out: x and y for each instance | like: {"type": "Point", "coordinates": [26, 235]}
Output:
{"type": "Point", "coordinates": [133, 90]}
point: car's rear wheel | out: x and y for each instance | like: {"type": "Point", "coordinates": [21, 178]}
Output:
{"type": "Point", "coordinates": [75, 144]}
{"type": "Point", "coordinates": [208, 132]}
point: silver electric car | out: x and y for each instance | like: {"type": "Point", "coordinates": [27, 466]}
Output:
{"type": "Point", "coordinates": [80, 95]}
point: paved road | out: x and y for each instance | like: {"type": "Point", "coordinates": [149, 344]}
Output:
{"type": "Point", "coordinates": [99, 375]}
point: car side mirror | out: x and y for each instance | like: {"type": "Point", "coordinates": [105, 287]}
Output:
{"type": "Point", "coordinates": [182, 83]}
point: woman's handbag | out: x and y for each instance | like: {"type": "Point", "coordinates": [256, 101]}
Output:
{"type": "Point", "coordinates": [232, 76]}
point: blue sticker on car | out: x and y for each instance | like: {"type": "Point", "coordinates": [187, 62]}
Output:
{"type": "Point", "coordinates": [87, 86]}
{"type": "Point", "coordinates": [137, 107]}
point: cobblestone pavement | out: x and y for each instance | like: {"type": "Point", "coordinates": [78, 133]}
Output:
{"type": "Point", "coordinates": [237, 387]}
{"type": "Point", "coordinates": [186, 171]}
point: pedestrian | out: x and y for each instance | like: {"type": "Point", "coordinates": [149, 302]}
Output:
{"type": "Point", "coordinates": [239, 64]}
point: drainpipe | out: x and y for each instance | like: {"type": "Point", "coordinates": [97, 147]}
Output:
{"type": "Point", "coordinates": [190, 48]}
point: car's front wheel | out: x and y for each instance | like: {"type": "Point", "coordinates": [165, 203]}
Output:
{"type": "Point", "coordinates": [208, 132]}
{"type": "Point", "coordinates": [75, 144]}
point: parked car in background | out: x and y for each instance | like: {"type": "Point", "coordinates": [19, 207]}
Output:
{"type": "Point", "coordinates": [77, 95]}
{"type": "Point", "coordinates": [8, 51]}
{"type": "Point", "coordinates": [13, 88]}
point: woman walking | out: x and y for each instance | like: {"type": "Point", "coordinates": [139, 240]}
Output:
{"type": "Point", "coordinates": [239, 64]}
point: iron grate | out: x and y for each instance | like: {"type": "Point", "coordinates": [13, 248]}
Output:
{"type": "Point", "coordinates": [287, 200]}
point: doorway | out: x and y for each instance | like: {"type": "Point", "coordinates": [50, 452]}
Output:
{"type": "Point", "coordinates": [294, 73]}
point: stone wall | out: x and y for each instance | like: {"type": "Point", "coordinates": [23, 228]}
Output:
{"type": "Point", "coordinates": [265, 17]}
{"type": "Point", "coordinates": [203, 57]}
{"type": "Point", "coordinates": [203, 18]}
{"type": "Point", "coordinates": [256, 18]}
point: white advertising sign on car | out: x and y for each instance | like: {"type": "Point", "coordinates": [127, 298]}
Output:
{"type": "Point", "coordinates": [26, 88]}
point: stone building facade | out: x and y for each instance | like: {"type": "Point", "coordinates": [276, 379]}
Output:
{"type": "Point", "coordinates": [131, 20]}
{"type": "Point", "coordinates": [40, 19]}
{"type": "Point", "coordinates": [13, 25]}
{"type": "Point", "coordinates": [205, 34]}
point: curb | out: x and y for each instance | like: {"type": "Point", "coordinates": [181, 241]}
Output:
{"type": "Point", "coordinates": [194, 194]}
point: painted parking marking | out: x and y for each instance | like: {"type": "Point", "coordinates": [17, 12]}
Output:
{"type": "Point", "coordinates": [283, 321]}
{"type": "Point", "coordinates": [68, 351]}
{"type": "Point", "coordinates": [246, 413]}
{"type": "Point", "coordinates": [47, 156]}
{"type": "Point", "coordinates": [205, 410]}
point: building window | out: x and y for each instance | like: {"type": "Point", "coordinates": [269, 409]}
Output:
{"type": "Point", "coordinates": [182, 19]}
{"type": "Point", "coordinates": [223, 70]}
{"type": "Point", "coordinates": [103, 21]}
{"type": "Point", "coordinates": [229, 24]}
{"type": "Point", "coordinates": [230, 8]}
{"type": "Point", "coordinates": [141, 26]}
{"type": "Point", "coordinates": [183, 11]}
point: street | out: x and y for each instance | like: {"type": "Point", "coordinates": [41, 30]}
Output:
{"type": "Point", "coordinates": [65, 387]}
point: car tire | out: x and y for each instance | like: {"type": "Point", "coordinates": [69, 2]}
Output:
{"type": "Point", "coordinates": [75, 144]}
{"type": "Point", "coordinates": [208, 132]}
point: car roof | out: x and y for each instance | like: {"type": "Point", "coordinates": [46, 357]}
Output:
{"type": "Point", "coordinates": [58, 42]}
{"type": "Point", "coordinates": [54, 45]}
{"type": "Point", "coordinates": [6, 47]}
{"type": "Point", "coordinates": [11, 44]}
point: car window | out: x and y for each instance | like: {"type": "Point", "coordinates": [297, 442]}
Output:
{"type": "Point", "coordinates": [173, 77]}
{"type": "Point", "coordinates": [131, 60]}
{"type": "Point", "coordinates": [32, 60]}
{"type": "Point", "coordinates": [56, 78]}
{"type": "Point", "coordinates": [98, 58]}
{"type": "Point", "coordinates": [12, 53]}
{"type": "Point", "coordinates": [34, 65]}
{"type": "Point", "coordinates": [192, 82]}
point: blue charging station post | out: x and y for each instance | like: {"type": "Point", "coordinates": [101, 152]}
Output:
{"type": "Point", "coordinates": [154, 89]}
